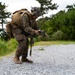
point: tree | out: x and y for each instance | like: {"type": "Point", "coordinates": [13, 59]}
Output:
{"type": "Point", "coordinates": [3, 14]}
{"type": "Point", "coordinates": [3, 18]}
{"type": "Point", "coordinates": [63, 21]}
{"type": "Point", "coordinates": [45, 5]}
{"type": "Point", "coordinates": [70, 7]}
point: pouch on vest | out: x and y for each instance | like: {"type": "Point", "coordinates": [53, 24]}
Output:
{"type": "Point", "coordinates": [9, 29]}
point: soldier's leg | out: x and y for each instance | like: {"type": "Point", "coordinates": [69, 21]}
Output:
{"type": "Point", "coordinates": [25, 53]}
{"type": "Point", "coordinates": [21, 44]}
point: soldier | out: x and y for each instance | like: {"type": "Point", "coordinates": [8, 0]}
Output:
{"type": "Point", "coordinates": [23, 25]}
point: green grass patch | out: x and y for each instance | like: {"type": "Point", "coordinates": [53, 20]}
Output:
{"type": "Point", "coordinates": [10, 46]}
{"type": "Point", "coordinates": [7, 47]}
{"type": "Point", "coordinates": [54, 42]}
{"type": "Point", "coordinates": [3, 48]}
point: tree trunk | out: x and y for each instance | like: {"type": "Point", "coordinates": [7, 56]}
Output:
{"type": "Point", "coordinates": [2, 23]}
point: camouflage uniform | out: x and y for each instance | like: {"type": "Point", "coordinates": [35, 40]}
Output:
{"type": "Point", "coordinates": [21, 34]}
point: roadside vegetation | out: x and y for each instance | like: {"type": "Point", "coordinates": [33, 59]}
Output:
{"type": "Point", "coordinates": [8, 47]}
{"type": "Point", "coordinates": [54, 42]}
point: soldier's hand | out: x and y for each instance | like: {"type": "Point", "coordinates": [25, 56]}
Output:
{"type": "Point", "coordinates": [36, 32]}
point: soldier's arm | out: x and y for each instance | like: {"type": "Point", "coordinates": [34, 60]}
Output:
{"type": "Point", "coordinates": [26, 25]}
{"type": "Point", "coordinates": [35, 25]}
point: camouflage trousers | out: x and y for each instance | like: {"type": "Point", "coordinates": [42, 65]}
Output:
{"type": "Point", "coordinates": [22, 40]}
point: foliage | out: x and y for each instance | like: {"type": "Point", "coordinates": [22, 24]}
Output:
{"type": "Point", "coordinates": [45, 5]}
{"type": "Point", "coordinates": [3, 35]}
{"type": "Point", "coordinates": [63, 21]}
{"type": "Point", "coordinates": [58, 35]}
{"type": "Point", "coordinates": [70, 7]}
{"type": "Point", "coordinates": [3, 48]}
{"type": "Point", "coordinates": [3, 14]}
{"type": "Point", "coordinates": [54, 42]}
{"type": "Point", "coordinates": [12, 44]}
{"type": "Point", "coordinates": [7, 47]}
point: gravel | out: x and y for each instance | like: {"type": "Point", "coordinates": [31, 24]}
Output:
{"type": "Point", "coordinates": [48, 60]}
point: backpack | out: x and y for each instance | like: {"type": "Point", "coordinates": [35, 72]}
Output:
{"type": "Point", "coordinates": [16, 19]}
{"type": "Point", "coordinates": [9, 29]}
{"type": "Point", "coordinates": [17, 16]}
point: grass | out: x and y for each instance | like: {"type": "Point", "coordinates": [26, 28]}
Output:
{"type": "Point", "coordinates": [7, 48]}
{"type": "Point", "coordinates": [54, 42]}
{"type": "Point", "coordinates": [3, 48]}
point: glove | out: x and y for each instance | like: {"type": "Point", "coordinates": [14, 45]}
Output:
{"type": "Point", "coordinates": [36, 32]}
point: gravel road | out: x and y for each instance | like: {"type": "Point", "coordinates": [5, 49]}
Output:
{"type": "Point", "coordinates": [48, 60]}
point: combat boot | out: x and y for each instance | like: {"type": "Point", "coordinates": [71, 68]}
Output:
{"type": "Point", "coordinates": [26, 60]}
{"type": "Point", "coordinates": [17, 60]}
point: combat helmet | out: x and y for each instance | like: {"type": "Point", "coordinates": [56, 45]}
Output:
{"type": "Point", "coordinates": [36, 11]}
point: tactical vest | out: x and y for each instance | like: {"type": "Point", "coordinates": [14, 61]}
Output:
{"type": "Point", "coordinates": [17, 16]}
{"type": "Point", "coordinates": [16, 19]}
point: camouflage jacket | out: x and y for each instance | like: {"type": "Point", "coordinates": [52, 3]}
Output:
{"type": "Point", "coordinates": [29, 25]}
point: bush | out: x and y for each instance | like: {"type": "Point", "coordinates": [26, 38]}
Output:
{"type": "Point", "coordinates": [12, 45]}
{"type": "Point", "coordinates": [7, 47]}
{"type": "Point", "coordinates": [3, 48]}
{"type": "Point", "coordinates": [41, 38]}
{"type": "Point", "coordinates": [58, 35]}
{"type": "Point", "coordinates": [3, 35]}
